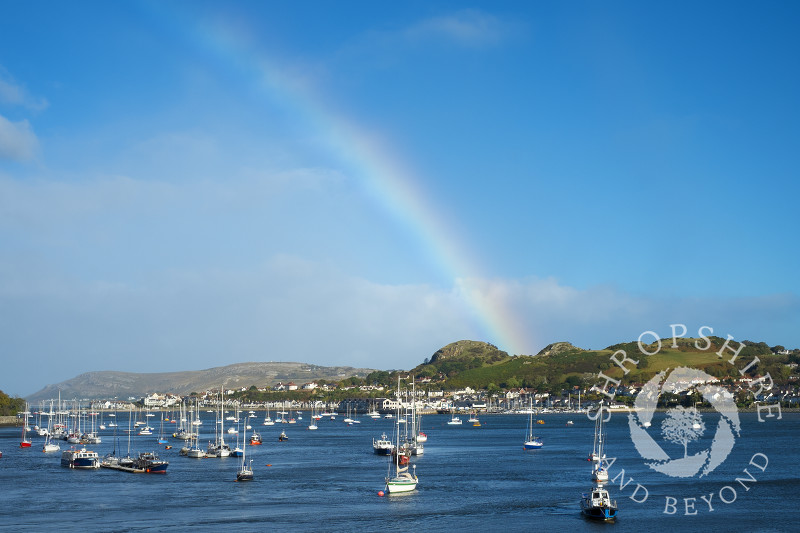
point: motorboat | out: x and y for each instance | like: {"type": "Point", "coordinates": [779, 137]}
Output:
{"type": "Point", "coordinates": [598, 505]}
{"type": "Point", "coordinates": [382, 446]}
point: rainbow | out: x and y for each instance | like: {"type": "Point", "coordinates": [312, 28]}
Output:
{"type": "Point", "coordinates": [381, 172]}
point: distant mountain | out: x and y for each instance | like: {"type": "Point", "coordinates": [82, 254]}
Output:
{"type": "Point", "coordinates": [122, 385]}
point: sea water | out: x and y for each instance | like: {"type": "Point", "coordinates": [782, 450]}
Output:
{"type": "Point", "coordinates": [470, 479]}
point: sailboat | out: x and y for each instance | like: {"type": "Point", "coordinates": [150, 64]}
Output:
{"type": "Point", "coordinates": [161, 438]}
{"type": "Point", "coordinates": [696, 422]}
{"type": "Point", "coordinates": [245, 472]}
{"type": "Point", "coordinates": [597, 503]}
{"type": "Point", "coordinates": [194, 450]}
{"type": "Point", "coordinates": [531, 442]}
{"type": "Point", "coordinates": [399, 479]}
{"type": "Point", "coordinates": [113, 423]}
{"type": "Point", "coordinates": [598, 457]}
{"type": "Point", "coordinates": [267, 420]}
{"type": "Point", "coordinates": [24, 442]}
{"type": "Point", "coordinates": [454, 420]}
{"type": "Point", "coordinates": [220, 448]}
{"type": "Point", "coordinates": [50, 446]}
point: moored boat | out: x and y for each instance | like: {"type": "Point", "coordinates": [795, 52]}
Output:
{"type": "Point", "coordinates": [151, 463]}
{"type": "Point", "coordinates": [399, 479]}
{"type": "Point", "coordinates": [50, 446]}
{"type": "Point", "coordinates": [454, 421]}
{"type": "Point", "coordinates": [531, 442]}
{"type": "Point", "coordinates": [80, 458]}
{"type": "Point", "coordinates": [382, 446]}
{"type": "Point", "coordinates": [245, 472]}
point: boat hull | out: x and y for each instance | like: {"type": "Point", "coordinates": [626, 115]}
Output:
{"type": "Point", "coordinates": [394, 485]}
{"type": "Point", "coordinates": [244, 476]}
{"type": "Point", "coordinates": [606, 514]}
{"type": "Point", "coordinates": [80, 460]}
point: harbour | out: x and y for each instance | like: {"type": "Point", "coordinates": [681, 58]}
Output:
{"type": "Point", "coordinates": [470, 478]}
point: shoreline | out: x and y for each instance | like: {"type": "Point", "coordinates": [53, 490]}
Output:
{"type": "Point", "coordinates": [11, 421]}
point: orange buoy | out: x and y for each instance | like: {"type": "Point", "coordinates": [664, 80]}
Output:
{"type": "Point", "coordinates": [380, 493]}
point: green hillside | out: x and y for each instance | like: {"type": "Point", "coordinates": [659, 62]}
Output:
{"type": "Point", "coordinates": [561, 365]}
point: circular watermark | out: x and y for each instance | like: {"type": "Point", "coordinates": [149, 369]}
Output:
{"type": "Point", "coordinates": [682, 428]}
{"type": "Point", "coordinates": [682, 425]}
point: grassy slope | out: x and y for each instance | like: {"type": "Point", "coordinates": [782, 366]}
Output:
{"type": "Point", "coordinates": [554, 369]}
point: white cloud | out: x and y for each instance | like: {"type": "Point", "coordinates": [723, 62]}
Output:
{"type": "Point", "coordinates": [292, 309]}
{"type": "Point", "coordinates": [15, 94]}
{"type": "Point", "coordinates": [17, 140]}
{"type": "Point", "coordinates": [468, 27]}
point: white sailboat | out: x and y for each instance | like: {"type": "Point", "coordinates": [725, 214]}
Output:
{"type": "Point", "coordinates": [245, 472]}
{"type": "Point", "coordinates": [531, 442]}
{"type": "Point", "coordinates": [194, 450]}
{"type": "Point", "coordinates": [267, 420]}
{"type": "Point", "coordinates": [220, 448]}
{"type": "Point", "coordinates": [598, 456]}
{"type": "Point", "coordinates": [399, 478]}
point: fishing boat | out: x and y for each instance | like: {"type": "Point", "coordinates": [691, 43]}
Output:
{"type": "Point", "coordinates": [282, 437]}
{"type": "Point", "coordinates": [150, 463]}
{"type": "Point", "coordinates": [598, 505]}
{"type": "Point", "coordinates": [255, 439]}
{"type": "Point", "coordinates": [454, 421]}
{"type": "Point", "coordinates": [531, 442]}
{"type": "Point", "coordinates": [80, 458]}
{"type": "Point", "coordinates": [245, 472]}
{"type": "Point", "coordinates": [382, 446]}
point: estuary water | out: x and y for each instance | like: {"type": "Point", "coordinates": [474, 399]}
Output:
{"type": "Point", "coordinates": [470, 479]}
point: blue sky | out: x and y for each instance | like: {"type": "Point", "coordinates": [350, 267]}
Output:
{"type": "Point", "coordinates": [191, 184]}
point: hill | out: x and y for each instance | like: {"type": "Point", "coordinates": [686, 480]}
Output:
{"type": "Point", "coordinates": [561, 365]}
{"type": "Point", "coordinates": [122, 385]}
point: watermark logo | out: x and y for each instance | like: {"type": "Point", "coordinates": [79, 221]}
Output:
{"type": "Point", "coordinates": [682, 428]}
{"type": "Point", "coordinates": [683, 425]}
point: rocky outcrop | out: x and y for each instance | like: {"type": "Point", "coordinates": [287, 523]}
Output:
{"type": "Point", "coordinates": [559, 347]}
